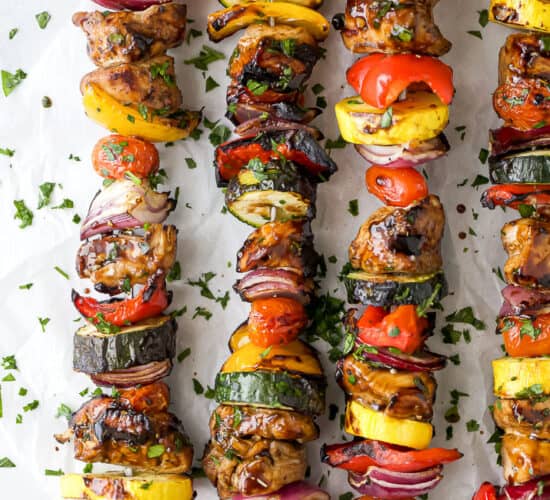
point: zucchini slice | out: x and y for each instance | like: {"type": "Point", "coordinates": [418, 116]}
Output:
{"type": "Point", "coordinates": [272, 390]}
{"type": "Point", "coordinates": [529, 167]}
{"type": "Point", "coordinates": [394, 289]}
{"type": "Point", "coordinates": [276, 186]}
{"type": "Point", "coordinates": [151, 340]}
{"type": "Point", "coordinates": [139, 487]}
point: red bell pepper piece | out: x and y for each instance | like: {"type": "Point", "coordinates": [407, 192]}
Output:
{"type": "Point", "coordinates": [516, 195]}
{"type": "Point", "coordinates": [402, 328]}
{"type": "Point", "coordinates": [486, 492]}
{"type": "Point", "coordinates": [151, 301]}
{"type": "Point", "coordinates": [380, 78]}
{"type": "Point", "coordinates": [397, 187]}
{"type": "Point", "coordinates": [358, 456]}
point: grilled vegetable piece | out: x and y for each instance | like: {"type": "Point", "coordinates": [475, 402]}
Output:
{"type": "Point", "coordinates": [398, 394]}
{"type": "Point", "coordinates": [394, 27]}
{"type": "Point", "coordinates": [277, 185]}
{"type": "Point", "coordinates": [150, 301]}
{"type": "Point", "coordinates": [527, 198]}
{"type": "Point", "coordinates": [243, 422]}
{"type": "Point", "coordinates": [127, 120]}
{"type": "Point", "coordinates": [524, 459]}
{"type": "Point", "coordinates": [312, 4]}
{"type": "Point", "coordinates": [526, 14]}
{"type": "Point", "coordinates": [527, 242]}
{"type": "Point", "coordinates": [149, 341]}
{"type": "Point", "coordinates": [521, 378]}
{"type": "Point", "coordinates": [396, 186]}
{"type": "Point", "coordinates": [134, 376]}
{"type": "Point", "coordinates": [115, 262]}
{"type": "Point", "coordinates": [295, 145]}
{"type": "Point", "coordinates": [138, 487]}
{"type": "Point", "coordinates": [240, 337]}
{"type": "Point", "coordinates": [226, 22]}
{"type": "Point", "coordinates": [121, 430]}
{"type": "Point", "coordinates": [523, 301]}
{"type": "Point", "coordinates": [524, 416]}
{"type": "Point", "coordinates": [507, 140]}
{"type": "Point", "coordinates": [388, 289]}
{"type": "Point", "coordinates": [149, 85]}
{"type": "Point", "coordinates": [265, 389]}
{"type": "Point", "coordinates": [526, 336]}
{"type": "Point", "coordinates": [255, 117]}
{"type": "Point", "coordinates": [420, 117]}
{"type": "Point", "coordinates": [358, 456]}
{"type": "Point", "coordinates": [524, 55]}
{"type": "Point", "coordinates": [398, 240]}
{"type": "Point", "coordinates": [254, 466]}
{"type": "Point", "coordinates": [129, 4]}
{"type": "Point", "coordinates": [125, 37]}
{"type": "Point", "coordinates": [528, 167]}
{"type": "Point", "coordinates": [486, 491]}
{"type": "Point", "coordinates": [286, 245]}
{"type": "Point", "coordinates": [369, 424]}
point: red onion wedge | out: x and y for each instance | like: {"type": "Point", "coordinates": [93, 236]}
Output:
{"type": "Point", "coordinates": [129, 4]}
{"type": "Point", "coordinates": [294, 491]}
{"type": "Point", "coordinates": [520, 300]}
{"type": "Point", "coordinates": [124, 205]}
{"type": "Point", "coordinates": [506, 140]}
{"type": "Point", "coordinates": [258, 125]}
{"type": "Point", "coordinates": [137, 375]}
{"type": "Point", "coordinates": [537, 489]}
{"type": "Point", "coordinates": [387, 485]}
{"type": "Point", "coordinates": [423, 361]}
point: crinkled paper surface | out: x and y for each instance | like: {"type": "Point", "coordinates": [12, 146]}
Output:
{"type": "Point", "coordinates": [55, 60]}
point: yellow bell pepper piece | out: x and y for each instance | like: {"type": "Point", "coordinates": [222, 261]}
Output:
{"type": "Point", "coordinates": [312, 4]}
{"type": "Point", "coordinates": [421, 116]}
{"type": "Point", "coordinates": [239, 338]}
{"type": "Point", "coordinates": [126, 120]}
{"type": "Point", "coordinates": [370, 424]}
{"type": "Point", "coordinates": [295, 357]}
{"type": "Point", "coordinates": [141, 487]}
{"type": "Point", "coordinates": [524, 14]}
{"type": "Point", "coordinates": [518, 378]}
{"type": "Point", "coordinates": [226, 22]}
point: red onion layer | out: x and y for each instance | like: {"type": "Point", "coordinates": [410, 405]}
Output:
{"type": "Point", "coordinates": [424, 361]}
{"type": "Point", "coordinates": [129, 4]}
{"type": "Point", "coordinates": [294, 491]}
{"type": "Point", "coordinates": [137, 375]}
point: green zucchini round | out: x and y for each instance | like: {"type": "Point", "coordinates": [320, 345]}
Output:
{"type": "Point", "coordinates": [272, 390]}
{"type": "Point", "coordinates": [263, 189]}
{"type": "Point", "coordinates": [530, 167]}
{"type": "Point", "coordinates": [151, 340]}
{"type": "Point", "coordinates": [394, 289]}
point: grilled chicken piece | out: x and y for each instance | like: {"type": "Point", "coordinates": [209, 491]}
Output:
{"type": "Point", "coordinates": [401, 240]}
{"type": "Point", "coordinates": [287, 245]}
{"type": "Point", "coordinates": [245, 422]}
{"type": "Point", "coordinates": [524, 458]}
{"type": "Point", "coordinates": [530, 418]}
{"type": "Point", "coordinates": [126, 37]}
{"type": "Point", "coordinates": [121, 430]}
{"type": "Point", "coordinates": [280, 56]}
{"type": "Point", "coordinates": [110, 261]}
{"type": "Point", "coordinates": [393, 27]}
{"type": "Point", "coordinates": [523, 56]}
{"type": "Point", "coordinates": [527, 242]}
{"type": "Point", "coordinates": [254, 466]}
{"type": "Point", "coordinates": [150, 83]}
{"type": "Point", "coordinates": [398, 394]}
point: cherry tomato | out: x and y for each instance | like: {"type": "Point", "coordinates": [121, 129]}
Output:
{"type": "Point", "coordinates": [397, 187]}
{"type": "Point", "coordinates": [276, 321]}
{"type": "Point", "coordinates": [486, 492]}
{"type": "Point", "coordinates": [524, 337]}
{"type": "Point", "coordinates": [118, 157]}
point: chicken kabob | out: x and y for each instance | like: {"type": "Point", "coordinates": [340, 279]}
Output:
{"type": "Point", "coordinates": [272, 386]}
{"type": "Point", "coordinates": [519, 168]}
{"type": "Point", "coordinates": [127, 342]}
{"type": "Point", "coordinates": [396, 123]}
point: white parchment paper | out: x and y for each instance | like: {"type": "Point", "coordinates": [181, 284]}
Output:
{"type": "Point", "coordinates": [55, 60]}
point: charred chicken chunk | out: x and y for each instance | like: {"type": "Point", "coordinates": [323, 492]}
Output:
{"type": "Point", "coordinates": [398, 394]}
{"type": "Point", "coordinates": [121, 430]}
{"type": "Point", "coordinates": [254, 466]}
{"type": "Point", "coordinates": [527, 242]}
{"type": "Point", "coordinates": [524, 458]}
{"type": "Point", "coordinates": [113, 261]}
{"type": "Point", "coordinates": [149, 85]}
{"type": "Point", "coordinates": [286, 245]}
{"type": "Point", "coordinates": [531, 418]}
{"type": "Point", "coordinates": [125, 37]}
{"type": "Point", "coordinates": [524, 55]}
{"type": "Point", "coordinates": [393, 26]}
{"type": "Point", "coordinates": [401, 240]}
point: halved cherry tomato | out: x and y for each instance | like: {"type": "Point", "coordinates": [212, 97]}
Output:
{"type": "Point", "coordinates": [276, 321]}
{"type": "Point", "coordinates": [380, 78]}
{"type": "Point", "coordinates": [358, 456]}
{"type": "Point", "coordinates": [516, 196]}
{"type": "Point", "coordinates": [150, 398]}
{"type": "Point", "coordinates": [524, 336]}
{"type": "Point", "coordinates": [398, 187]}
{"type": "Point", "coordinates": [402, 328]}
{"type": "Point", "coordinates": [116, 155]}
{"type": "Point", "coordinates": [486, 492]}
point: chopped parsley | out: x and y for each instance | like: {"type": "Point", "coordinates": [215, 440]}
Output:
{"type": "Point", "coordinates": [27, 286]}
{"type": "Point", "coordinates": [353, 207]}
{"type": "Point", "coordinates": [9, 362]}
{"type": "Point", "coordinates": [220, 133]}
{"type": "Point", "coordinates": [211, 84]}
{"type": "Point", "coordinates": [175, 272]}
{"type": "Point", "coordinates": [12, 33]}
{"type": "Point", "coordinates": [480, 180]}
{"type": "Point", "coordinates": [206, 56]}
{"type": "Point", "coordinates": [197, 387]}
{"type": "Point", "coordinates": [43, 18]}
{"type": "Point", "coordinates": [155, 451]}
{"type": "Point", "coordinates": [472, 426]}
{"type": "Point", "coordinates": [191, 163]}
{"type": "Point", "coordinates": [66, 203]}
{"type": "Point", "coordinates": [50, 472]}
{"type": "Point", "coordinates": [60, 271]}
{"type": "Point", "coordinates": [64, 411]}
{"type": "Point", "coordinates": [184, 354]}
{"type": "Point", "coordinates": [45, 194]}
{"type": "Point", "coordinates": [7, 152]}
{"type": "Point", "coordinates": [11, 80]}
{"type": "Point", "coordinates": [466, 315]}
{"type": "Point", "coordinates": [33, 405]}
{"type": "Point", "coordinates": [475, 33]}
{"type": "Point", "coordinates": [5, 462]}
{"type": "Point", "coordinates": [483, 155]}
{"type": "Point", "coordinates": [483, 17]}
{"type": "Point", "coordinates": [23, 213]}
{"type": "Point", "coordinates": [43, 322]}
{"type": "Point", "coordinates": [202, 311]}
